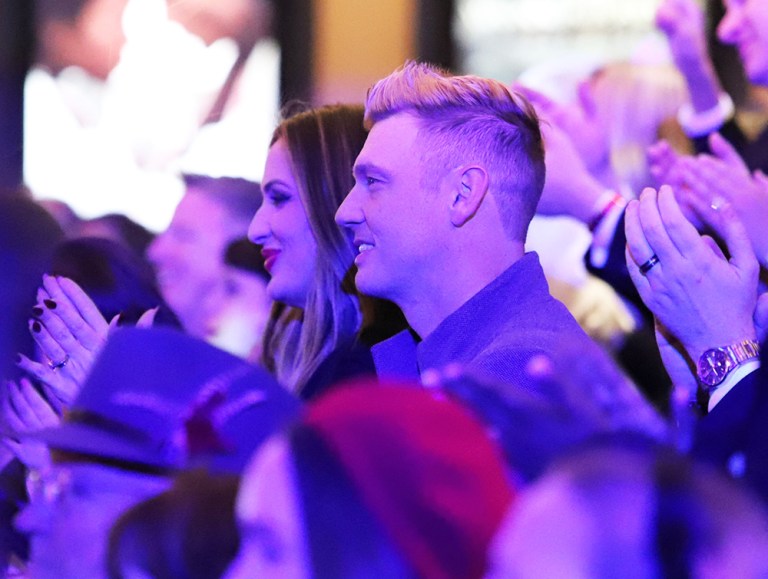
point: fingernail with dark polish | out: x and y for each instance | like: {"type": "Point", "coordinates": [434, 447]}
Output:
{"type": "Point", "coordinates": [36, 326]}
{"type": "Point", "coordinates": [37, 311]}
{"type": "Point", "coordinates": [50, 304]}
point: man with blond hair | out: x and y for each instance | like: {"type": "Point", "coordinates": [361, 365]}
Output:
{"type": "Point", "coordinates": [445, 187]}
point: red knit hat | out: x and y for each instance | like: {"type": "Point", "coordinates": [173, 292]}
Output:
{"type": "Point", "coordinates": [424, 466]}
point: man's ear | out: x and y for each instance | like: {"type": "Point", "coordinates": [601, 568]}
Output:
{"type": "Point", "coordinates": [468, 193]}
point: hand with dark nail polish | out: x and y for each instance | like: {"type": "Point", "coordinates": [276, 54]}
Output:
{"type": "Point", "coordinates": [50, 304]}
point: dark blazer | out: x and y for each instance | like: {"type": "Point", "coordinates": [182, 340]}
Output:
{"type": "Point", "coordinates": [734, 436]}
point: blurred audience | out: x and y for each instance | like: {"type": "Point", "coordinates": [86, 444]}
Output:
{"type": "Point", "coordinates": [722, 98]}
{"type": "Point", "coordinates": [156, 402]}
{"type": "Point", "coordinates": [118, 228]}
{"type": "Point", "coordinates": [28, 235]}
{"type": "Point", "coordinates": [189, 256]}
{"type": "Point", "coordinates": [625, 511]}
{"type": "Point", "coordinates": [487, 435]}
{"type": "Point", "coordinates": [186, 532]}
{"type": "Point", "coordinates": [377, 481]}
{"type": "Point", "coordinates": [120, 282]}
{"type": "Point", "coordinates": [238, 326]}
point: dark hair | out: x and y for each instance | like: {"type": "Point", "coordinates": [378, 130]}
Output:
{"type": "Point", "coordinates": [690, 512]}
{"type": "Point", "coordinates": [345, 540]}
{"type": "Point", "coordinates": [187, 532]}
{"type": "Point", "coordinates": [114, 277]}
{"type": "Point", "coordinates": [28, 235]}
{"type": "Point", "coordinates": [323, 144]}
{"type": "Point", "coordinates": [240, 197]}
{"type": "Point", "coordinates": [119, 228]}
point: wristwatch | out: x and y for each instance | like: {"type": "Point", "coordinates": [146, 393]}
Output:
{"type": "Point", "coordinates": [716, 363]}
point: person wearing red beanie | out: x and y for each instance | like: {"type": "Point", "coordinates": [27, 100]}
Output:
{"type": "Point", "coordinates": [373, 481]}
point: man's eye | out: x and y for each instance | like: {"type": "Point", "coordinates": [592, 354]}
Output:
{"type": "Point", "coordinates": [371, 181]}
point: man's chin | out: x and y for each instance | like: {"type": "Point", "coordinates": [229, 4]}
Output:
{"type": "Point", "coordinates": [369, 285]}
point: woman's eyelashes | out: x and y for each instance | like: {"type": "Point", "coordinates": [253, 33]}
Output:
{"type": "Point", "coordinates": [277, 198]}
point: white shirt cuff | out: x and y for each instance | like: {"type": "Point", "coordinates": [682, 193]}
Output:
{"type": "Point", "coordinates": [701, 124]}
{"type": "Point", "coordinates": [744, 369]}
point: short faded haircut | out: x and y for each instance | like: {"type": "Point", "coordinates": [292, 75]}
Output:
{"type": "Point", "coordinates": [465, 120]}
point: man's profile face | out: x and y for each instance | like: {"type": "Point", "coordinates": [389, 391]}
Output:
{"type": "Point", "coordinates": [397, 219]}
{"type": "Point", "coordinates": [188, 257]}
{"type": "Point", "coordinates": [745, 25]}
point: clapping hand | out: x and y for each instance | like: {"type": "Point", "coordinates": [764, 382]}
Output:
{"type": "Point", "coordinates": [70, 331]}
{"type": "Point", "coordinates": [699, 297]}
{"type": "Point", "coordinates": [25, 410]}
{"type": "Point", "coordinates": [725, 175]}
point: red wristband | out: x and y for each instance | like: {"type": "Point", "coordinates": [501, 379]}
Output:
{"type": "Point", "coordinates": [614, 201]}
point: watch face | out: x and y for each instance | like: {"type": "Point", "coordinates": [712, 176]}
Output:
{"type": "Point", "coordinates": [713, 366]}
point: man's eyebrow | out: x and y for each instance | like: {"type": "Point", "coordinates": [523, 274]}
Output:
{"type": "Point", "coordinates": [359, 168]}
{"type": "Point", "coordinates": [365, 167]}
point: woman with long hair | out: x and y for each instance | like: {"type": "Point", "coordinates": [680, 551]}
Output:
{"type": "Point", "coordinates": [312, 340]}
{"type": "Point", "coordinates": [320, 328]}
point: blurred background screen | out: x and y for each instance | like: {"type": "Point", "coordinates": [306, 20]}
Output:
{"type": "Point", "coordinates": [124, 95]}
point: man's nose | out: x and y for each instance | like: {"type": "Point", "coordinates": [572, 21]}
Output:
{"type": "Point", "coordinates": [349, 212]}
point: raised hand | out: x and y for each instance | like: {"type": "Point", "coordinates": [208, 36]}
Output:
{"type": "Point", "coordinates": [725, 175]}
{"type": "Point", "coordinates": [70, 331]}
{"type": "Point", "coordinates": [569, 188]}
{"type": "Point", "coordinates": [700, 297]}
{"type": "Point", "coordinates": [683, 23]}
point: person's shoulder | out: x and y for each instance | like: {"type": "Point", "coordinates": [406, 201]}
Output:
{"type": "Point", "coordinates": [346, 362]}
{"type": "Point", "coordinates": [396, 357]}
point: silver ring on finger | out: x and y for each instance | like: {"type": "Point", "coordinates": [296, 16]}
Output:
{"type": "Point", "coordinates": [56, 365]}
{"type": "Point", "coordinates": [648, 265]}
